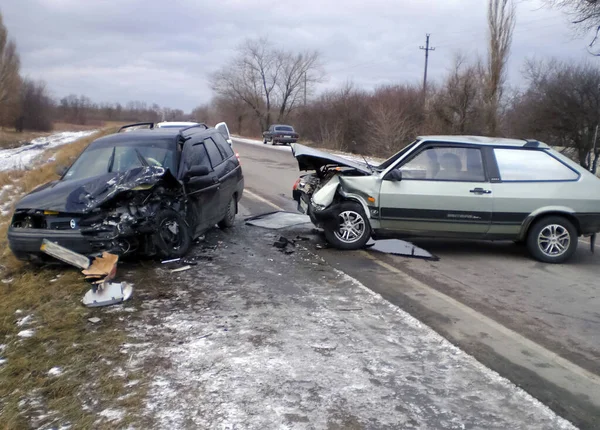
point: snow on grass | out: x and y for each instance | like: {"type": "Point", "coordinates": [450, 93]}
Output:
{"type": "Point", "coordinates": [112, 415]}
{"type": "Point", "coordinates": [55, 371]}
{"type": "Point", "coordinates": [26, 333]}
{"type": "Point", "coordinates": [25, 320]}
{"type": "Point", "coordinates": [25, 156]}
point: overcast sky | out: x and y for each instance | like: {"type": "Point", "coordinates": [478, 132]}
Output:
{"type": "Point", "coordinates": [163, 51]}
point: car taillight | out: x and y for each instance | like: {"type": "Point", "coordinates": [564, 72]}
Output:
{"type": "Point", "coordinates": [238, 158]}
{"type": "Point", "coordinates": [296, 184]}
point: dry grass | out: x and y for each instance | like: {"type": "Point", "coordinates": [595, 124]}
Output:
{"type": "Point", "coordinates": [87, 353]}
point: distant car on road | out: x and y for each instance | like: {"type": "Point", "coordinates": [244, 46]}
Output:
{"type": "Point", "coordinates": [147, 191]}
{"type": "Point", "coordinates": [454, 187]}
{"type": "Point", "coordinates": [280, 134]}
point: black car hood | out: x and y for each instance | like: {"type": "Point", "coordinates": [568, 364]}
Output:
{"type": "Point", "coordinates": [313, 159]}
{"type": "Point", "coordinates": [80, 196]}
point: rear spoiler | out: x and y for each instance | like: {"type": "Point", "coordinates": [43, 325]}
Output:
{"type": "Point", "coordinates": [137, 124]}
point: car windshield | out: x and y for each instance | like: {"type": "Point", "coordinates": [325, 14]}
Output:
{"type": "Point", "coordinates": [101, 160]}
{"type": "Point", "coordinates": [387, 163]}
{"type": "Point", "coordinates": [284, 128]}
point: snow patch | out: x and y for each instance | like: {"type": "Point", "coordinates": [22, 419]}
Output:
{"type": "Point", "coordinates": [25, 320]}
{"type": "Point", "coordinates": [55, 371]}
{"type": "Point", "coordinates": [26, 333]}
{"type": "Point", "coordinates": [112, 414]}
{"type": "Point", "coordinates": [24, 156]}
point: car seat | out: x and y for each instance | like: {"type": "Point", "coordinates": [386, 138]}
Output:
{"type": "Point", "coordinates": [451, 167]}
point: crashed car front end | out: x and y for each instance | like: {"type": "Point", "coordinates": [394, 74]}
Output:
{"type": "Point", "coordinates": [115, 213]}
{"type": "Point", "coordinates": [336, 180]}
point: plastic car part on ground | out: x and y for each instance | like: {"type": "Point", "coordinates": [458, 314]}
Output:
{"type": "Point", "coordinates": [100, 272]}
{"type": "Point", "coordinates": [399, 247]}
{"type": "Point", "coordinates": [277, 220]}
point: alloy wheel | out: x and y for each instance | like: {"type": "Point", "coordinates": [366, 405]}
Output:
{"type": "Point", "coordinates": [554, 240]}
{"type": "Point", "coordinates": [352, 227]}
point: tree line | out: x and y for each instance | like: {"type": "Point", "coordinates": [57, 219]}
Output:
{"type": "Point", "coordinates": [559, 104]}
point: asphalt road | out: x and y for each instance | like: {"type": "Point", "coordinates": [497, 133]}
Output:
{"type": "Point", "coordinates": [536, 324]}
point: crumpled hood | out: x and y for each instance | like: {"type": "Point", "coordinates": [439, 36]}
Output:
{"type": "Point", "coordinates": [80, 196]}
{"type": "Point", "coordinates": [313, 159]}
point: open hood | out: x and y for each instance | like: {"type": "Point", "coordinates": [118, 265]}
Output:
{"type": "Point", "coordinates": [313, 159]}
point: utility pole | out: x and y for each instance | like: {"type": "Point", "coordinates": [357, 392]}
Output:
{"type": "Point", "coordinates": [426, 48]}
{"type": "Point", "coordinates": [304, 89]}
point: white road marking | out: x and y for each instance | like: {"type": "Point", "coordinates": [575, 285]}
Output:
{"type": "Point", "coordinates": [263, 200]}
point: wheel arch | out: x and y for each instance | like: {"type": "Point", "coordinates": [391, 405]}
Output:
{"type": "Point", "coordinates": [357, 199]}
{"type": "Point", "coordinates": [564, 212]}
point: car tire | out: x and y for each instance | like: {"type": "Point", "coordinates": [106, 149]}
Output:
{"type": "Point", "coordinates": [172, 238]}
{"type": "Point", "coordinates": [229, 218]}
{"type": "Point", "coordinates": [344, 237]}
{"type": "Point", "coordinates": [552, 239]}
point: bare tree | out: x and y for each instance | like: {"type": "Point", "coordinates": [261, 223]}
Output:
{"type": "Point", "coordinates": [562, 107]}
{"type": "Point", "coordinates": [585, 16]}
{"type": "Point", "coordinates": [458, 105]}
{"type": "Point", "coordinates": [36, 107]}
{"type": "Point", "coordinates": [501, 23]}
{"type": "Point", "coordinates": [267, 79]}
{"type": "Point", "coordinates": [9, 77]}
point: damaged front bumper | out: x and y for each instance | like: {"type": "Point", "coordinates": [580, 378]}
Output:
{"type": "Point", "coordinates": [25, 243]}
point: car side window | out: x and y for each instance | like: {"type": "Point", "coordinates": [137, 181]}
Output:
{"type": "Point", "coordinates": [531, 165]}
{"type": "Point", "coordinates": [223, 146]}
{"type": "Point", "coordinates": [198, 156]}
{"type": "Point", "coordinates": [213, 152]}
{"type": "Point", "coordinates": [445, 163]}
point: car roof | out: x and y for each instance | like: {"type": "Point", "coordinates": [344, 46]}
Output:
{"type": "Point", "coordinates": [484, 140]}
{"type": "Point", "coordinates": [135, 136]}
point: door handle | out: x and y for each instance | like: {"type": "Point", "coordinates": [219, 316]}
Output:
{"type": "Point", "coordinates": [480, 191]}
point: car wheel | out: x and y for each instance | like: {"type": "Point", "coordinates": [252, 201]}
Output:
{"type": "Point", "coordinates": [172, 237]}
{"type": "Point", "coordinates": [353, 231]}
{"type": "Point", "coordinates": [229, 219]}
{"type": "Point", "coordinates": [552, 239]}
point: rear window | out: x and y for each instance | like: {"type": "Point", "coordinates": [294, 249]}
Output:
{"type": "Point", "coordinates": [284, 128]}
{"type": "Point", "coordinates": [528, 165]}
{"type": "Point", "coordinates": [223, 146]}
{"type": "Point", "coordinates": [214, 154]}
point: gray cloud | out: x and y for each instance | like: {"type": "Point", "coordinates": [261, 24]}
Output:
{"type": "Point", "coordinates": [163, 52]}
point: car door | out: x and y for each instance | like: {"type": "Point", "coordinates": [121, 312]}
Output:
{"type": "Point", "coordinates": [224, 130]}
{"type": "Point", "coordinates": [221, 170]}
{"type": "Point", "coordinates": [203, 192]}
{"type": "Point", "coordinates": [443, 191]}
{"type": "Point", "coordinates": [232, 170]}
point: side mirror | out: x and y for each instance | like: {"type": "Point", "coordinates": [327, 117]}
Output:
{"type": "Point", "coordinates": [61, 170]}
{"type": "Point", "coordinates": [197, 171]}
{"type": "Point", "coordinates": [394, 175]}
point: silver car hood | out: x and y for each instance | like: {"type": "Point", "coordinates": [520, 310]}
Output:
{"type": "Point", "coordinates": [313, 159]}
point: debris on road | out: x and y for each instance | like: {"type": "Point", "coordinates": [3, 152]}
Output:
{"type": "Point", "coordinates": [399, 247]}
{"type": "Point", "coordinates": [181, 269]}
{"type": "Point", "coordinates": [94, 320]}
{"type": "Point", "coordinates": [282, 244]}
{"type": "Point", "coordinates": [278, 220]}
{"type": "Point", "coordinates": [174, 260]}
{"type": "Point", "coordinates": [103, 269]}
{"type": "Point", "coordinates": [108, 293]}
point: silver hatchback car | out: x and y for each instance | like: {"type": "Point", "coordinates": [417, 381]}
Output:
{"type": "Point", "coordinates": [454, 187]}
